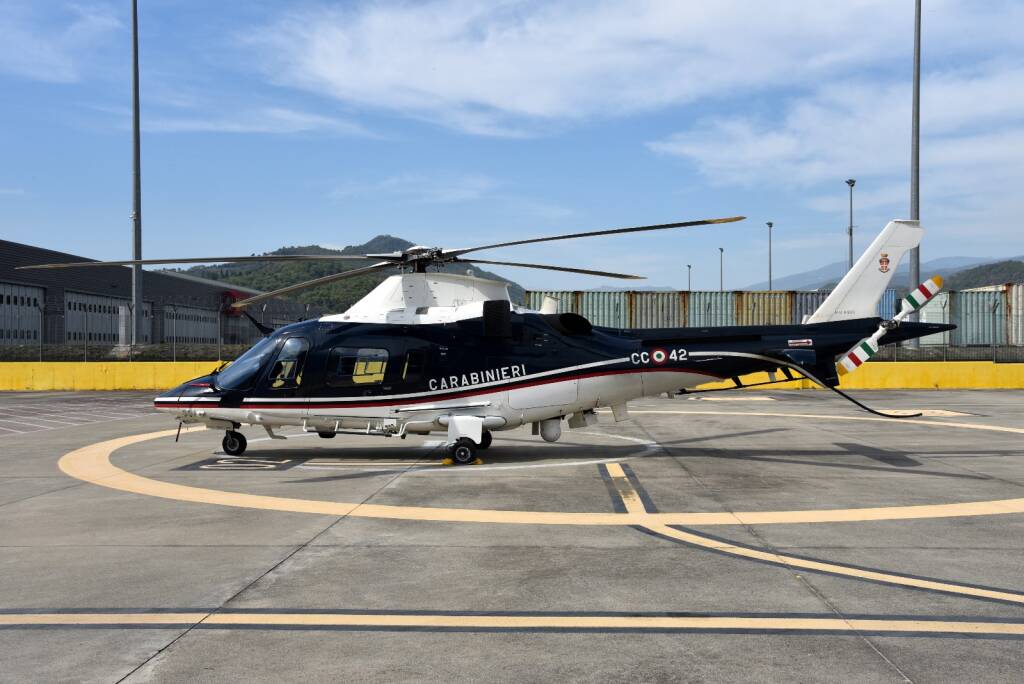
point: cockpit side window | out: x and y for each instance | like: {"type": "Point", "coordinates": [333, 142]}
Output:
{"type": "Point", "coordinates": [287, 370]}
{"type": "Point", "coordinates": [348, 366]}
{"type": "Point", "coordinates": [241, 373]}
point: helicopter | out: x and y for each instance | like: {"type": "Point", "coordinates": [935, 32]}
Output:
{"type": "Point", "coordinates": [429, 351]}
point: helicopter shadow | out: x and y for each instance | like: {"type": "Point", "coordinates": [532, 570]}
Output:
{"type": "Point", "coordinates": [500, 453]}
{"type": "Point", "coordinates": [893, 461]}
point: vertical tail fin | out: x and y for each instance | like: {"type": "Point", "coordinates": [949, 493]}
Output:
{"type": "Point", "coordinates": [857, 294]}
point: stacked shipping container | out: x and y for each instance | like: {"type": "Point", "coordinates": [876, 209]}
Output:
{"type": "Point", "coordinates": [985, 316]}
{"type": "Point", "coordinates": [680, 309]}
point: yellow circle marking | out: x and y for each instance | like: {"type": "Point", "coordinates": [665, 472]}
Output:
{"type": "Point", "coordinates": [92, 464]}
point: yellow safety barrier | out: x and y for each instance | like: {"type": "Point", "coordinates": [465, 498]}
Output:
{"type": "Point", "coordinates": [912, 375]}
{"type": "Point", "coordinates": [100, 375]}
{"type": "Point", "coordinates": [160, 375]}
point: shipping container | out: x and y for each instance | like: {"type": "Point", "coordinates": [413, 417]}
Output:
{"type": "Point", "coordinates": [712, 309]}
{"type": "Point", "coordinates": [101, 320]}
{"type": "Point", "coordinates": [608, 309]}
{"type": "Point", "coordinates": [980, 317]}
{"type": "Point", "coordinates": [888, 305]}
{"type": "Point", "coordinates": [566, 300]}
{"type": "Point", "coordinates": [764, 308]}
{"type": "Point", "coordinates": [1015, 319]}
{"type": "Point", "coordinates": [657, 309]}
{"type": "Point", "coordinates": [806, 303]}
{"type": "Point", "coordinates": [20, 314]}
{"type": "Point", "coordinates": [938, 310]}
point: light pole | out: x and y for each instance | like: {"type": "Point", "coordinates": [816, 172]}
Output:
{"type": "Point", "coordinates": [849, 231]}
{"type": "Point", "coordinates": [721, 269]}
{"type": "Point", "coordinates": [689, 272]}
{"type": "Point", "coordinates": [915, 158]}
{"type": "Point", "coordinates": [174, 333]}
{"type": "Point", "coordinates": [769, 224]}
{"type": "Point", "coordinates": [42, 311]}
{"type": "Point", "coordinates": [137, 306]}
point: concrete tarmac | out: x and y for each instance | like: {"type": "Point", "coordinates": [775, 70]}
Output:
{"type": "Point", "coordinates": [747, 536]}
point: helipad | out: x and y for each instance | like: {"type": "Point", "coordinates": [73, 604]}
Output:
{"type": "Point", "coordinates": [704, 540]}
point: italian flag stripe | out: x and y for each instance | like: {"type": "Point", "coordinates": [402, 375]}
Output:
{"type": "Point", "coordinates": [920, 295]}
{"type": "Point", "coordinates": [867, 349]}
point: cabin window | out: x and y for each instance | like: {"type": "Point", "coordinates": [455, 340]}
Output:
{"type": "Point", "coordinates": [287, 370]}
{"type": "Point", "coordinates": [348, 366]}
{"type": "Point", "coordinates": [414, 361]}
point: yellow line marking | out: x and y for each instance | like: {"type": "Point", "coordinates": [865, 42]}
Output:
{"type": "Point", "coordinates": [734, 398]}
{"type": "Point", "coordinates": [92, 464]}
{"type": "Point", "coordinates": [816, 416]}
{"type": "Point", "coordinates": [630, 499]}
{"type": "Point", "coordinates": [833, 568]}
{"type": "Point", "coordinates": [772, 624]}
{"type": "Point", "coordinates": [101, 618]}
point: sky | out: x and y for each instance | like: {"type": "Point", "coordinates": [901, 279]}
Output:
{"type": "Point", "coordinates": [457, 122]}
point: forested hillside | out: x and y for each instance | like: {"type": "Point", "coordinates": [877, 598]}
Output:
{"type": "Point", "coordinates": [334, 297]}
{"type": "Point", "coordinates": [987, 274]}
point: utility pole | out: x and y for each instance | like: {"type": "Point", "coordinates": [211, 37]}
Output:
{"type": "Point", "coordinates": [721, 269]}
{"type": "Point", "coordinates": [915, 158]}
{"type": "Point", "coordinates": [769, 224]}
{"type": "Point", "coordinates": [137, 309]}
{"type": "Point", "coordinates": [689, 281]}
{"type": "Point", "coordinates": [849, 231]}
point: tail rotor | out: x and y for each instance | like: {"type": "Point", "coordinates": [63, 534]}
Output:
{"type": "Point", "coordinates": [868, 347]}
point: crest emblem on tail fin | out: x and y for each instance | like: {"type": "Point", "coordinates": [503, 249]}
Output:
{"type": "Point", "coordinates": [883, 263]}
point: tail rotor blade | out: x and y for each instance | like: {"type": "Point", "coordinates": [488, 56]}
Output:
{"type": "Point", "coordinates": [868, 347]}
{"type": "Point", "coordinates": [919, 296]}
{"type": "Point", "coordinates": [865, 349]}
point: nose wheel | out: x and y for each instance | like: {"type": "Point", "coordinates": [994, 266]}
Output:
{"type": "Point", "coordinates": [463, 452]}
{"type": "Point", "coordinates": [233, 443]}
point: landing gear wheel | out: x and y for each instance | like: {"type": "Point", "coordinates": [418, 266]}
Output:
{"type": "Point", "coordinates": [485, 440]}
{"type": "Point", "coordinates": [463, 452]}
{"type": "Point", "coordinates": [234, 443]}
{"type": "Point", "coordinates": [326, 435]}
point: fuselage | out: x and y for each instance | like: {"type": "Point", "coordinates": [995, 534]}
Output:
{"type": "Point", "coordinates": [327, 375]}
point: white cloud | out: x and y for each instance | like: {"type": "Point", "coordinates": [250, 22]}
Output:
{"type": "Point", "coordinates": [274, 120]}
{"type": "Point", "coordinates": [422, 188]}
{"type": "Point", "coordinates": [969, 120]}
{"type": "Point", "coordinates": [972, 135]}
{"type": "Point", "coordinates": [52, 48]}
{"type": "Point", "coordinates": [513, 67]}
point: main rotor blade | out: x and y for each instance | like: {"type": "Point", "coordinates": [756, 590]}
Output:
{"type": "Point", "coordinates": [311, 283]}
{"type": "Point", "coordinates": [612, 231]}
{"type": "Point", "coordinates": [566, 269]}
{"type": "Point", "coordinates": [205, 260]}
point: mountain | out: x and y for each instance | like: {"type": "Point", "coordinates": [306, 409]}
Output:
{"type": "Point", "coordinates": [334, 297]}
{"type": "Point", "coordinates": [1011, 271]}
{"type": "Point", "coordinates": [828, 276]}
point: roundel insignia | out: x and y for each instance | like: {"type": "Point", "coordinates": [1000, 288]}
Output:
{"type": "Point", "coordinates": [659, 356]}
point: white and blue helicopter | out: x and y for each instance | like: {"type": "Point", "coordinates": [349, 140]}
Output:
{"type": "Point", "coordinates": [436, 352]}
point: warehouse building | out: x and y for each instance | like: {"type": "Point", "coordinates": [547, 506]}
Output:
{"type": "Point", "coordinates": [93, 305]}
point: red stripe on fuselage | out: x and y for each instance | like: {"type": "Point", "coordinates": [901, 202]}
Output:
{"type": "Point", "coordinates": [387, 401]}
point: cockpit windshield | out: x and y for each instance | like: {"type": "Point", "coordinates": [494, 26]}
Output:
{"type": "Point", "coordinates": [240, 374]}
